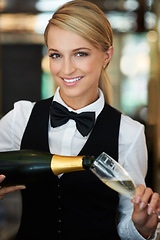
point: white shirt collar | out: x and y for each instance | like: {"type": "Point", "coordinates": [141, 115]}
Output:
{"type": "Point", "coordinates": [96, 106]}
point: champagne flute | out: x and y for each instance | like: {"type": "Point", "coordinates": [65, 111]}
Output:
{"type": "Point", "coordinates": [114, 175]}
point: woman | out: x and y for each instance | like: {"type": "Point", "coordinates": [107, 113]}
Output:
{"type": "Point", "coordinates": [80, 46]}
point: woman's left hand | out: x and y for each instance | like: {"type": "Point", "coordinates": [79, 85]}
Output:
{"type": "Point", "coordinates": [144, 217]}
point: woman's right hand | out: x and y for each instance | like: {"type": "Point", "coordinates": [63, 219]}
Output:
{"type": "Point", "coordinates": [6, 190]}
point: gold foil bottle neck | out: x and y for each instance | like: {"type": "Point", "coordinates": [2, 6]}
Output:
{"type": "Point", "coordinates": [63, 164]}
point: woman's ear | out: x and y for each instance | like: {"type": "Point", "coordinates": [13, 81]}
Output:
{"type": "Point", "coordinates": [108, 55]}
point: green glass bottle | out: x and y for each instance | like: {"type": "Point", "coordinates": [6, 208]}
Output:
{"type": "Point", "coordinates": [27, 166]}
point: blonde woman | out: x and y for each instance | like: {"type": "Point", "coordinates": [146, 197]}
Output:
{"type": "Point", "coordinates": [78, 205]}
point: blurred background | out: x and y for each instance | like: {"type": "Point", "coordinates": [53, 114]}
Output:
{"type": "Point", "coordinates": [134, 71]}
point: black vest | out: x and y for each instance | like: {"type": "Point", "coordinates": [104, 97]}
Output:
{"type": "Point", "coordinates": [77, 205]}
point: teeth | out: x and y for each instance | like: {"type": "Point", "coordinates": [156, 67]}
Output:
{"type": "Point", "coordinates": [72, 80]}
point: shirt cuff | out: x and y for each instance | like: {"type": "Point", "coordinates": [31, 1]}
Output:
{"type": "Point", "coordinates": [136, 235]}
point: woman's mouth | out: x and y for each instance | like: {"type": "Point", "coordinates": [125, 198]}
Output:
{"type": "Point", "coordinates": [71, 80]}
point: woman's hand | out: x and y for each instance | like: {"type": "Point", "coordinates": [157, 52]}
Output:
{"type": "Point", "coordinates": [146, 202]}
{"type": "Point", "coordinates": [6, 190]}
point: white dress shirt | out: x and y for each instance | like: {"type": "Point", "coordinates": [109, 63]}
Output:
{"type": "Point", "coordinates": [66, 140]}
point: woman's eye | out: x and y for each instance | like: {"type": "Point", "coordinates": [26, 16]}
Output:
{"type": "Point", "coordinates": [55, 55]}
{"type": "Point", "coordinates": [81, 54]}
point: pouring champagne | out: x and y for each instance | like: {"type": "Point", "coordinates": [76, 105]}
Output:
{"type": "Point", "coordinates": [114, 175]}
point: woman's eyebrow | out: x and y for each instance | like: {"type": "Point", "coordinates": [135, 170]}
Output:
{"type": "Point", "coordinates": [52, 49]}
{"type": "Point", "coordinates": [74, 50]}
{"type": "Point", "coordinates": [81, 48]}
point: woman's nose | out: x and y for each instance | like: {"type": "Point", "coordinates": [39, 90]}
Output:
{"type": "Point", "coordinates": [68, 66]}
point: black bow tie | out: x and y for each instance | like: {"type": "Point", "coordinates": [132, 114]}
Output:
{"type": "Point", "coordinates": [60, 115]}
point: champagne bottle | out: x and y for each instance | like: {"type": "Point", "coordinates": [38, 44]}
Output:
{"type": "Point", "coordinates": [26, 166]}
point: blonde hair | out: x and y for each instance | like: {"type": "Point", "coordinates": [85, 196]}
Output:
{"type": "Point", "coordinates": [87, 20]}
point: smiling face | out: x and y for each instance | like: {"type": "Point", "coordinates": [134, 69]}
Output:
{"type": "Point", "coordinates": [76, 66]}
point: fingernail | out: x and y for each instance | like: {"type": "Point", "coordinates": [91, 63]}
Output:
{"type": "Point", "coordinates": [150, 210]}
{"type": "Point", "coordinates": [2, 177]}
{"type": "Point", "coordinates": [141, 206]}
{"type": "Point", "coordinates": [21, 187]}
{"type": "Point", "coordinates": [138, 199]}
